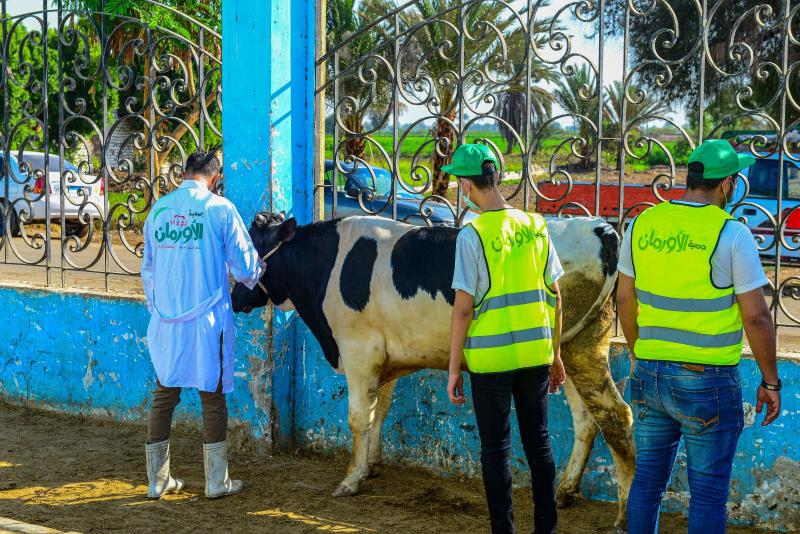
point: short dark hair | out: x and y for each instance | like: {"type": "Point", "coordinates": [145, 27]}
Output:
{"type": "Point", "coordinates": [489, 178]}
{"type": "Point", "coordinates": [695, 180]}
{"type": "Point", "coordinates": [202, 163]}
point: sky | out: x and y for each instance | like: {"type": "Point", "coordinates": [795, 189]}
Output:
{"type": "Point", "coordinates": [18, 7]}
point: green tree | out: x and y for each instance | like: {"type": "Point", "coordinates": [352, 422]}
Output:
{"type": "Point", "coordinates": [674, 31]}
{"type": "Point", "coordinates": [171, 90]}
{"type": "Point", "coordinates": [511, 94]}
{"type": "Point", "coordinates": [635, 112]}
{"type": "Point", "coordinates": [577, 94]}
{"type": "Point", "coordinates": [723, 113]}
{"type": "Point", "coordinates": [25, 75]}
{"type": "Point", "coordinates": [358, 98]}
{"type": "Point", "coordinates": [207, 12]}
{"type": "Point", "coordinates": [432, 24]}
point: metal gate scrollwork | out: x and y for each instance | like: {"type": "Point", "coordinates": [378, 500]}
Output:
{"type": "Point", "coordinates": [592, 107]}
{"type": "Point", "coordinates": [99, 113]}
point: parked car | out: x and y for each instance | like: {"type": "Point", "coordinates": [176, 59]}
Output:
{"type": "Point", "coordinates": [87, 189]}
{"type": "Point", "coordinates": [374, 186]}
{"type": "Point", "coordinates": [763, 180]}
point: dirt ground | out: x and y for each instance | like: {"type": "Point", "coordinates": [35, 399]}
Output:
{"type": "Point", "coordinates": [74, 473]}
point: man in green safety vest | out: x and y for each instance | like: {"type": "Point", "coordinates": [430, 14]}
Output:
{"type": "Point", "coordinates": [690, 280]}
{"type": "Point", "coordinates": [506, 323]}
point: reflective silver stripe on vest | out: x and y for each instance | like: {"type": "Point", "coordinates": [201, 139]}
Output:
{"type": "Point", "coordinates": [515, 299]}
{"type": "Point", "coordinates": [510, 338]}
{"type": "Point", "coordinates": [694, 339]}
{"type": "Point", "coordinates": [686, 305]}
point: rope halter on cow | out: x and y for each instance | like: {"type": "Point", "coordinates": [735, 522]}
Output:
{"type": "Point", "coordinates": [264, 258]}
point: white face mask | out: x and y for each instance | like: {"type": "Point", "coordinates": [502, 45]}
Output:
{"type": "Point", "coordinates": [469, 203]}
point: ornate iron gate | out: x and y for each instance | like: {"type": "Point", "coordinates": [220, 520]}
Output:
{"type": "Point", "coordinates": [619, 111]}
{"type": "Point", "coordinates": [99, 112]}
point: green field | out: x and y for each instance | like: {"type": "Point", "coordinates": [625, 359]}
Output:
{"type": "Point", "coordinates": [422, 146]}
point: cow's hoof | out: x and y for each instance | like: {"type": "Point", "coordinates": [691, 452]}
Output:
{"type": "Point", "coordinates": [374, 470]}
{"type": "Point", "coordinates": [565, 499]}
{"type": "Point", "coordinates": [344, 491]}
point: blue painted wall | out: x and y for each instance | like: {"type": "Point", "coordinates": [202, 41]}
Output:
{"type": "Point", "coordinates": [268, 99]}
{"type": "Point", "coordinates": [99, 365]}
{"type": "Point", "coordinates": [88, 354]}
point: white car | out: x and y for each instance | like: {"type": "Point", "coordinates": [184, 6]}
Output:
{"type": "Point", "coordinates": [30, 206]}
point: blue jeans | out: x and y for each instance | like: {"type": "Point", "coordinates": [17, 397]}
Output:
{"type": "Point", "coordinates": [704, 405]}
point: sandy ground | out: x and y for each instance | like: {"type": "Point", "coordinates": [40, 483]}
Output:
{"type": "Point", "coordinates": [81, 474]}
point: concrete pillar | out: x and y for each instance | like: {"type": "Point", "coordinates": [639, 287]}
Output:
{"type": "Point", "coordinates": [268, 127]}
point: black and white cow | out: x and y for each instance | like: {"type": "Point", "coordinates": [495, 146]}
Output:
{"type": "Point", "coordinates": [355, 282]}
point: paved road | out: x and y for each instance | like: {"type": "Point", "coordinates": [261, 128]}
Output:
{"type": "Point", "coordinates": [21, 262]}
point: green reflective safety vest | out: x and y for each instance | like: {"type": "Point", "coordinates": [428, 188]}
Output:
{"type": "Point", "coordinates": [683, 316]}
{"type": "Point", "coordinates": [512, 327]}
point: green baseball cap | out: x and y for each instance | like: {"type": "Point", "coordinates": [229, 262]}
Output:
{"type": "Point", "coordinates": [468, 160]}
{"type": "Point", "coordinates": [718, 159]}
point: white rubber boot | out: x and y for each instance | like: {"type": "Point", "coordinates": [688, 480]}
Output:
{"type": "Point", "coordinates": [160, 481]}
{"type": "Point", "coordinates": [218, 484]}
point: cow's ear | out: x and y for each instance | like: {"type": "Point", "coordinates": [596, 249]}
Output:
{"type": "Point", "coordinates": [286, 230]}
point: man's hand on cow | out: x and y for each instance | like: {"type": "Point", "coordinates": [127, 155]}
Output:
{"type": "Point", "coordinates": [773, 401]}
{"type": "Point", "coordinates": [557, 374]}
{"type": "Point", "coordinates": [455, 388]}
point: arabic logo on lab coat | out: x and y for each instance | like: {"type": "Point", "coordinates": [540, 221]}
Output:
{"type": "Point", "coordinates": [179, 229]}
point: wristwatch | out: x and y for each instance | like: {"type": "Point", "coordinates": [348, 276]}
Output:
{"type": "Point", "coordinates": [772, 387]}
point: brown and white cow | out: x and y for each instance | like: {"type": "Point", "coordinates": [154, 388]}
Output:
{"type": "Point", "coordinates": [355, 282]}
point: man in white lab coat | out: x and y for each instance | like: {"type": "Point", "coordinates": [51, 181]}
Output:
{"type": "Point", "coordinates": [193, 240]}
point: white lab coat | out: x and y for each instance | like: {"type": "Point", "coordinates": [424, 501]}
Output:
{"type": "Point", "coordinates": [193, 239]}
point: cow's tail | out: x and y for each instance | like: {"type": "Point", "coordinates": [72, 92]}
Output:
{"type": "Point", "coordinates": [609, 257]}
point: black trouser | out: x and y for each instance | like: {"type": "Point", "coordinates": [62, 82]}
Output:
{"type": "Point", "coordinates": [491, 396]}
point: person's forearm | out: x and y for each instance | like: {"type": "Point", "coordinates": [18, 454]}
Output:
{"type": "Point", "coordinates": [761, 335]}
{"type": "Point", "coordinates": [459, 326]}
{"type": "Point", "coordinates": [557, 328]}
{"type": "Point", "coordinates": [627, 310]}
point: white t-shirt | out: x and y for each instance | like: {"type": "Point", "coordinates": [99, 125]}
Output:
{"type": "Point", "coordinates": [471, 273]}
{"type": "Point", "coordinates": [735, 241]}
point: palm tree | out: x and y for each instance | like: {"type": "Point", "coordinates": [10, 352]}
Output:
{"type": "Point", "coordinates": [512, 111]}
{"type": "Point", "coordinates": [344, 19]}
{"type": "Point", "coordinates": [432, 24]}
{"type": "Point", "coordinates": [634, 111]}
{"type": "Point", "coordinates": [511, 92]}
{"type": "Point", "coordinates": [577, 94]}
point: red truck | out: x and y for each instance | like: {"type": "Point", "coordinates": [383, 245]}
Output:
{"type": "Point", "coordinates": [637, 196]}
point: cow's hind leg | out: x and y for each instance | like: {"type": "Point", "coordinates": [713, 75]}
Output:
{"type": "Point", "coordinates": [587, 366]}
{"type": "Point", "coordinates": [585, 433]}
{"type": "Point", "coordinates": [382, 408]}
{"type": "Point", "coordinates": [362, 385]}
